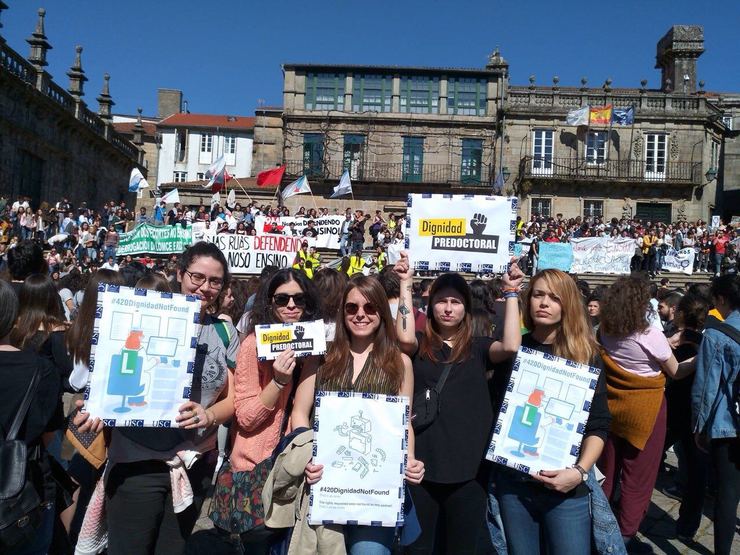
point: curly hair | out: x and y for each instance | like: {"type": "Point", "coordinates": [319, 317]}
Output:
{"type": "Point", "coordinates": [625, 307]}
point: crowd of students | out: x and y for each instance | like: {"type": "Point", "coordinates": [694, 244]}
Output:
{"type": "Point", "coordinates": [662, 383]}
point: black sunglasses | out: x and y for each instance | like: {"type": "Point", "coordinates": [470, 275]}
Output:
{"type": "Point", "coordinates": [282, 299]}
{"type": "Point", "coordinates": [353, 308]}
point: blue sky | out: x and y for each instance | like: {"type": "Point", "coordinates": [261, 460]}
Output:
{"type": "Point", "coordinates": [226, 54]}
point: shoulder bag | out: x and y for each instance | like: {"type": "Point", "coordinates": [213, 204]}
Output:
{"type": "Point", "coordinates": [427, 403]}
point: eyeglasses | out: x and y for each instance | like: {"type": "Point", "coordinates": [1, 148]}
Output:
{"type": "Point", "coordinates": [282, 299]}
{"type": "Point", "coordinates": [199, 279]}
{"type": "Point", "coordinates": [353, 308]}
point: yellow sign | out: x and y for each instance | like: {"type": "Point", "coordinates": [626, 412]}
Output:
{"type": "Point", "coordinates": [282, 336]}
{"type": "Point", "coordinates": [449, 227]}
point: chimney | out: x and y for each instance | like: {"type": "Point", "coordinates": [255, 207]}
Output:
{"type": "Point", "coordinates": [676, 58]}
{"type": "Point", "coordinates": [169, 101]}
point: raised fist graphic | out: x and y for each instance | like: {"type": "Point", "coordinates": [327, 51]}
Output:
{"type": "Point", "coordinates": [478, 224]}
{"type": "Point", "coordinates": [299, 331]}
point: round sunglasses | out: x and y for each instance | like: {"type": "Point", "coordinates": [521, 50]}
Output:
{"type": "Point", "coordinates": [353, 308]}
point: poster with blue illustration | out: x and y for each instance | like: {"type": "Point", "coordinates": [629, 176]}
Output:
{"type": "Point", "coordinates": [142, 356]}
{"type": "Point", "coordinates": [544, 413]}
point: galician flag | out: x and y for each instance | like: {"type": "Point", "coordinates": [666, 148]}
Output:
{"type": "Point", "coordinates": [577, 117]}
{"type": "Point", "coordinates": [601, 115]}
{"type": "Point", "coordinates": [299, 186]}
{"type": "Point", "coordinates": [136, 181]}
{"type": "Point", "coordinates": [172, 197]}
{"type": "Point", "coordinates": [344, 187]}
{"type": "Point", "coordinates": [217, 175]}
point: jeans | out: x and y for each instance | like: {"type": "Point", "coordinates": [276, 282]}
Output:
{"type": "Point", "coordinates": [539, 520]}
{"type": "Point", "coordinates": [368, 540]}
{"type": "Point", "coordinates": [110, 251]}
{"type": "Point", "coordinates": [726, 460]}
{"type": "Point", "coordinates": [718, 263]}
{"type": "Point", "coordinates": [343, 242]}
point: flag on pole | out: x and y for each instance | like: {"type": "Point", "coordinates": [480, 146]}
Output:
{"type": "Point", "coordinates": [601, 115]}
{"type": "Point", "coordinates": [215, 199]}
{"type": "Point", "coordinates": [270, 178]}
{"type": "Point", "coordinates": [623, 116]}
{"type": "Point", "coordinates": [231, 198]}
{"type": "Point", "coordinates": [217, 175]}
{"type": "Point", "coordinates": [136, 181]}
{"type": "Point", "coordinates": [498, 184]}
{"type": "Point", "coordinates": [344, 187]}
{"type": "Point", "coordinates": [299, 186]}
{"type": "Point", "coordinates": [577, 117]}
{"type": "Point", "coordinates": [172, 197]}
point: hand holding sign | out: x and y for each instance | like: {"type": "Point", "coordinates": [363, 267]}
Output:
{"type": "Point", "coordinates": [283, 366]}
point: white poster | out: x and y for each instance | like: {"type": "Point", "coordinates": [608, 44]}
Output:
{"type": "Point", "coordinates": [249, 254]}
{"type": "Point", "coordinates": [327, 227]}
{"type": "Point", "coordinates": [142, 357]}
{"type": "Point", "coordinates": [544, 413]}
{"type": "Point", "coordinates": [679, 261]}
{"type": "Point", "coordinates": [361, 439]}
{"type": "Point", "coordinates": [460, 233]}
{"type": "Point", "coordinates": [602, 255]}
{"type": "Point", "coordinates": [305, 338]}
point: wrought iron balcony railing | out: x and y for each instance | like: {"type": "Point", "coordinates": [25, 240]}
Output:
{"type": "Point", "coordinates": [651, 171]}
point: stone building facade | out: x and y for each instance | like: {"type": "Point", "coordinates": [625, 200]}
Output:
{"type": "Point", "coordinates": [51, 143]}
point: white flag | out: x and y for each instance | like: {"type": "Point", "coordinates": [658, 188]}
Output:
{"type": "Point", "coordinates": [344, 187]}
{"type": "Point", "coordinates": [215, 199]}
{"type": "Point", "coordinates": [299, 186]}
{"type": "Point", "coordinates": [215, 171]}
{"type": "Point", "coordinates": [172, 197]}
{"type": "Point", "coordinates": [231, 199]}
{"type": "Point", "coordinates": [136, 181]}
{"type": "Point", "coordinates": [578, 117]}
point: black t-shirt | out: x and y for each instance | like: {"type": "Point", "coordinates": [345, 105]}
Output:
{"type": "Point", "coordinates": [45, 413]}
{"type": "Point", "coordinates": [454, 446]}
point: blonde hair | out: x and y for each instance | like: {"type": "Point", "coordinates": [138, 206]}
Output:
{"type": "Point", "coordinates": [574, 339]}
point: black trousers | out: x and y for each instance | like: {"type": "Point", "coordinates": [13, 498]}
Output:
{"type": "Point", "coordinates": [457, 511]}
{"type": "Point", "coordinates": [726, 461]}
{"type": "Point", "coordinates": [140, 516]}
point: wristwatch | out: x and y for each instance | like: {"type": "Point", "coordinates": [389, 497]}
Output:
{"type": "Point", "coordinates": [584, 474]}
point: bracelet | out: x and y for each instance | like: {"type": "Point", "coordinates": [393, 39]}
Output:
{"type": "Point", "coordinates": [511, 295]}
{"type": "Point", "coordinates": [511, 289]}
{"type": "Point", "coordinates": [280, 385]}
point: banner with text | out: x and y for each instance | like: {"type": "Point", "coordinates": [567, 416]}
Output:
{"type": "Point", "coordinates": [304, 338]}
{"type": "Point", "coordinates": [460, 233]}
{"type": "Point", "coordinates": [328, 228]}
{"type": "Point", "coordinates": [602, 255]}
{"type": "Point", "coordinates": [361, 439]}
{"type": "Point", "coordinates": [679, 261]}
{"type": "Point", "coordinates": [557, 256]}
{"type": "Point", "coordinates": [249, 254]}
{"type": "Point", "coordinates": [154, 239]}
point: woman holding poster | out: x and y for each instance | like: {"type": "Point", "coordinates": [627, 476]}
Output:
{"type": "Point", "coordinates": [551, 512]}
{"type": "Point", "coordinates": [454, 444]}
{"type": "Point", "coordinates": [363, 358]}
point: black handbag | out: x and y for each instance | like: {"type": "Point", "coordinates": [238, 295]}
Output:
{"type": "Point", "coordinates": [20, 504]}
{"type": "Point", "coordinates": [427, 404]}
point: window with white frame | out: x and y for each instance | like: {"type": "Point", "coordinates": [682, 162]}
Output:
{"type": "Point", "coordinates": [229, 144]}
{"type": "Point", "coordinates": [727, 120]}
{"type": "Point", "coordinates": [593, 208]}
{"type": "Point", "coordinates": [180, 177]}
{"type": "Point", "coordinates": [596, 147]}
{"type": "Point", "coordinates": [656, 148]}
{"type": "Point", "coordinates": [206, 143]}
{"type": "Point", "coordinates": [542, 151]}
{"type": "Point", "coordinates": [200, 176]}
{"type": "Point", "coordinates": [714, 156]}
{"type": "Point", "coordinates": [541, 207]}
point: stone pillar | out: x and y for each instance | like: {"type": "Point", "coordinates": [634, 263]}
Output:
{"type": "Point", "coordinates": [396, 94]}
{"type": "Point", "coordinates": [443, 82]}
{"type": "Point", "coordinates": [105, 103]}
{"type": "Point", "coordinates": [139, 136]}
{"type": "Point", "coordinates": [348, 83]}
{"type": "Point", "coordinates": [676, 57]}
{"type": "Point", "coordinates": [39, 47]}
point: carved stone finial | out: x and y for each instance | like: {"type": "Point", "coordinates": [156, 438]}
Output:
{"type": "Point", "coordinates": [77, 76]}
{"type": "Point", "coordinates": [105, 101]}
{"type": "Point", "coordinates": [531, 81]}
{"type": "Point", "coordinates": [643, 84]}
{"type": "Point", "coordinates": [607, 84]}
{"type": "Point", "coordinates": [496, 60]}
{"type": "Point", "coordinates": [39, 44]}
{"type": "Point", "coordinates": [555, 81]}
{"type": "Point", "coordinates": [701, 84]}
{"type": "Point", "coordinates": [138, 129]}
{"type": "Point", "coordinates": [668, 85]}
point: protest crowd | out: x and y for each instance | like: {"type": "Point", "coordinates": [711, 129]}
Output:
{"type": "Point", "coordinates": [667, 361]}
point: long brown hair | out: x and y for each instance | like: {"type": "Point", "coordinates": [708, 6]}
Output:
{"type": "Point", "coordinates": [574, 339]}
{"type": "Point", "coordinates": [39, 307]}
{"type": "Point", "coordinates": [625, 307]}
{"type": "Point", "coordinates": [79, 335]}
{"type": "Point", "coordinates": [385, 354]}
{"type": "Point", "coordinates": [431, 341]}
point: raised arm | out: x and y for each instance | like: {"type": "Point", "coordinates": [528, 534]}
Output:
{"type": "Point", "coordinates": [405, 326]}
{"type": "Point", "coordinates": [502, 350]}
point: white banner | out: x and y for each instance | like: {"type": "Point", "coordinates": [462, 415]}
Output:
{"type": "Point", "coordinates": [602, 255]}
{"type": "Point", "coordinates": [249, 254]}
{"type": "Point", "coordinates": [327, 227]}
{"type": "Point", "coordinates": [544, 412]}
{"type": "Point", "coordinates": [142, 356]}
{"type": "Point", "coordinates": [361, 439]}
{"type": "Point", "coordinates": [460, 233]}
{"type": "Point", "coordinates": [305, 338]}
{"type": "Point", "coordinates": [679, 261]}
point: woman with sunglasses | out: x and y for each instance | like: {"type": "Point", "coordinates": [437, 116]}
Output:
{"type": "Point", "coordinates": [263, 388]}
{"type": "Point", "coordinates": [454, 445]}
{"type": "Point", "coordinates": [364, 358]}
{"type": "Point", "coordinates": [139, 500]}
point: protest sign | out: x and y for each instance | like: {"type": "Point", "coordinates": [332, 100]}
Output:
{"type": "Point", "coordinates": [249, 254]}
{"type": "Point", "coordinates": [558, 256]}
{"type": "Point", "coordinates": [604, 255]}
{"type": "Point", "coordinates": [327, 227]}
{"type": "Point", "coordinates": [460, 233]}
{"type": "Point", "coordinates": [155, 239]}
{"type": "Point", "coordinates": [361, 439]}
{"type": "Point", "coordinates": [142, 356]}
{"type": "Point", "coordinates": [305, 338]}
{"type": "Point", "coordinates": [679, 261]}
{"type": "Point", "coordinates": [544, 413]}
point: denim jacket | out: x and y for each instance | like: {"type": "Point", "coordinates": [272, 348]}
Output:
{"type": "Point", "coordinates": [713, 406]}
{"type": "Point", "coordinates": [607, 538]}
